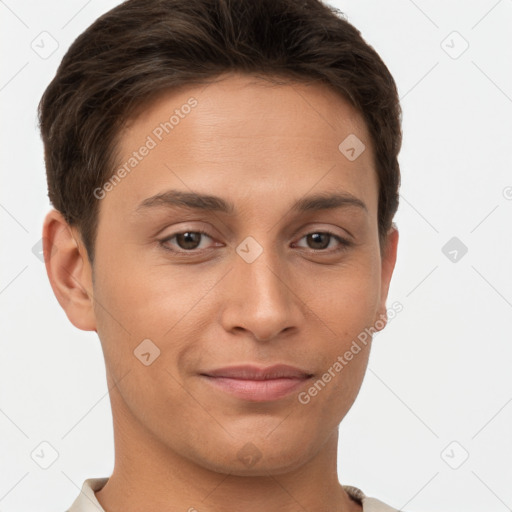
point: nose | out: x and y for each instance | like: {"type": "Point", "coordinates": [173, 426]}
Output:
{"type": "Point", "coordinates": [259, 298]}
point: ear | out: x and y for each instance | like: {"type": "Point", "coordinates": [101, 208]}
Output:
{"type": "Point", "coordinates": [69, 270]}
{"type": "Point", "coordinates": [388, 260]}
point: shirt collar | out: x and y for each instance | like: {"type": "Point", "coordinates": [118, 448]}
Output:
{"type": "Point", "coordinates": [87, 502]}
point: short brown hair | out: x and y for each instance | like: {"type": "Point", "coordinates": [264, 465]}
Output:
{"type": "Point", "coordinates": [143, 47]}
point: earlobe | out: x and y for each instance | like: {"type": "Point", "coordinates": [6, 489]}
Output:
{"type": "Point", "coordinates": [388, 262]}
{"type": "Point", "coordinates": [68, 270]}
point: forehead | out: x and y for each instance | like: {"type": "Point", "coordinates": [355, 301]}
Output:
{"type": "Point", "coordinates": [248, 138]}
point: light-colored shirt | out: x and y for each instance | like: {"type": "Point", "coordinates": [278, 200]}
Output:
{"type": "Point", "coordinates": [87, 502]}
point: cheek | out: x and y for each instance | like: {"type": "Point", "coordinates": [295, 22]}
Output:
{"type": "Point", "coordinates": [348, 314]}
{"type": "Point", "coordinates": [124, 312]}
{"type": "Point", "coordinates": [345, 312]}
{"type": "Point", "coordinates": [138, 302]}
{"type": "Point", "coordinates": [145, 301]}
{"type": "Point", "coordinates": [347, 300]}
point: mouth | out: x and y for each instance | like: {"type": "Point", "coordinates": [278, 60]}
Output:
{"type": "Point", "coordinates": [257, 384]}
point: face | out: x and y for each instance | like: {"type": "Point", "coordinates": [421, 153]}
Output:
{"type": "Point", "coordinates": [254, 274]}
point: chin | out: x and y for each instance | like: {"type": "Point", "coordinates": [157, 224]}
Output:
{"type": "Point", "coordinates": [260, 458]}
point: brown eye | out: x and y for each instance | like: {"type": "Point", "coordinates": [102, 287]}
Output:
{"type": "Point", "coordinates": [188, 240]}
{"type": "Point", "coordinates": [185, 241]}
{"type": "Point", "coordinates": [321, 240]}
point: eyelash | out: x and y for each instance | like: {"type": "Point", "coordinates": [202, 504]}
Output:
{"type": "Point", "coordinates": [344, 243]}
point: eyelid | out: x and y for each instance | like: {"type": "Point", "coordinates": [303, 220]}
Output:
{"type": "Point", "coordinates": [318, 227]}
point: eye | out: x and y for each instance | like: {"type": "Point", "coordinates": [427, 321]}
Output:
{"type": "Point", "coordinates": [187, 241]}
{"type": "Point", "coordinates": [190, 241]}
{"type": "Point", "coordinates": [321, 240]}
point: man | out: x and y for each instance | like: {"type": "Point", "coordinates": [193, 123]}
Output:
{"type": "Point", "coordinates": [224, 176]}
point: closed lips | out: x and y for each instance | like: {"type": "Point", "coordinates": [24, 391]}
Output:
{"type": "Point", "coordinates": [250, 372]}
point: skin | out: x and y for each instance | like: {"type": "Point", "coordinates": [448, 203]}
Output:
{"type": "Point", "coordinates": [178, 439]}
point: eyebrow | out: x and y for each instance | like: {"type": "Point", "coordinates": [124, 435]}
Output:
{"type": "Point", "coordinates": [210, 203]}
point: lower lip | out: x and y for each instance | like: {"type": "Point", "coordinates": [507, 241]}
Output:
{"type": "Point", "coordinates": [257, 390]}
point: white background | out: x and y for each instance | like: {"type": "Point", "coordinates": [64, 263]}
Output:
{"type": "Point", "coordinates": [440, 372]}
